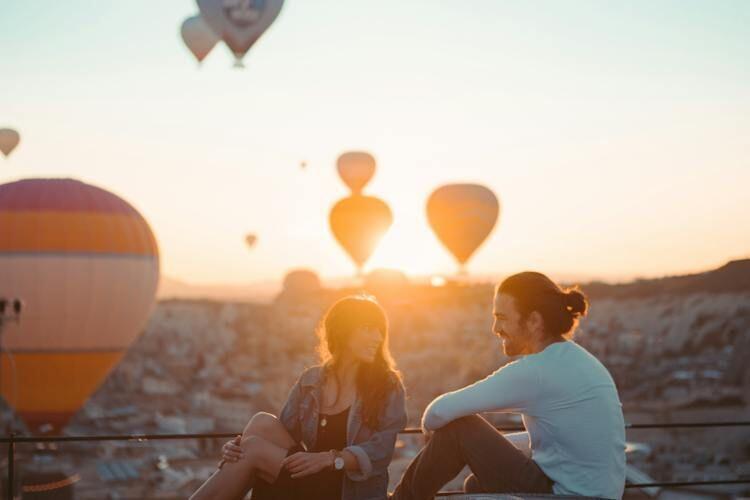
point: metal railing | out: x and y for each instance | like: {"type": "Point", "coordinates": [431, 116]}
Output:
{"type": "Point", "coordinates": [14, 439]}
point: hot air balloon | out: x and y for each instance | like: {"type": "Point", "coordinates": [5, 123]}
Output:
{"type": "Point", "coordinates": [239, 22]}
{"type": "Point", "coordinates": [198, 37]}
{"type": "Point", "coordinates": [9, 139]}
{"type": "Point", "coordinates": [356, 168]}
{"type": "Point", "coordinates": [462, 216]}
{"type": "Point", "coordinates": [251, 240]}
{"type": "Point", "coordinates": [358, 223]}
{"type": "Point", "coordinates": [86, 265]}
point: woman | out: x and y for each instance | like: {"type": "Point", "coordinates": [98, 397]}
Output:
{"type": "Point", "coordinates": [336, 433]}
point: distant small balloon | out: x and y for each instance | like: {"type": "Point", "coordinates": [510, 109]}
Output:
{"type": "Point", "coordinates": [251, 240]}
{"type": "Point", "coordinates": [358, 223]}
{"type": "Point", "coordinates": [9, 139]}
{"type": "Point", "coordinates": [356, 168]}
{"type": "Point", "coordinates": [462, 216]}
{"type": "Point", "coordinates": [240, 23]}
{"type": "Point", "coordinates": [198, 37]}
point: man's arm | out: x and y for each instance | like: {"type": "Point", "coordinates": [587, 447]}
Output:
{"type": "Point", "coordinates": [511, 389]}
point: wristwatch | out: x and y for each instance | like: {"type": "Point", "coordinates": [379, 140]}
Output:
{"type": "Point", "coordinates": [338, 460]}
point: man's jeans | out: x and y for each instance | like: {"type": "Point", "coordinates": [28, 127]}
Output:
{"type": "Point", "coordinates": [497, 465]}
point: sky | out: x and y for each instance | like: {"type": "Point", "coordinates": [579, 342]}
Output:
{"type": "Point", "coordinates": [615, 134]}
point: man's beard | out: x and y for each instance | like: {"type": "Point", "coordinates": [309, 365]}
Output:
{"type": "Point", "coordinates": [515, 346]}
{"type": "Point", "coordinates": [511, 347]}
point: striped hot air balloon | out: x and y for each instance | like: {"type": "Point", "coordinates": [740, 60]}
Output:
{"type": "Point", "coordinates": [86, 265]}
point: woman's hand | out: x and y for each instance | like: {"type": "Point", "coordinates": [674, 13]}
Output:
{"type": "Point", "coordinates": [232, 451]}
{"type": "Point", "coordinates": [303, 464]}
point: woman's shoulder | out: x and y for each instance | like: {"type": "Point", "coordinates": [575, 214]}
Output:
{"type": "Point", "coordinates": [395, 382]}
{"type": "Point", "coordinates": [312, 375]}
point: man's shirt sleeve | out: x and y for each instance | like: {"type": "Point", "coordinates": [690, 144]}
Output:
{"type": "Point", "coordinates": [512, 388]}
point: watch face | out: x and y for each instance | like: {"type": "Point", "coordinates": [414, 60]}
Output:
{"type": "Point", "coordinates": [338, 463]}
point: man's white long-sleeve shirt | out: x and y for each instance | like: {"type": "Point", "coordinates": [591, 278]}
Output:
{"type": "Point", "coordinates": [571, 411]}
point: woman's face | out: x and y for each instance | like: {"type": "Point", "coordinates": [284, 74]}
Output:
{"type": "Point", "coordinates": [364, 343]}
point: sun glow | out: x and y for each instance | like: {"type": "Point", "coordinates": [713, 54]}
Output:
{"type": "Point", "coordinates": [411, 248]}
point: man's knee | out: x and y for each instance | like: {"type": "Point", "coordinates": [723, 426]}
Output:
{"type": "Point", "coordinates": [259, 424]}
{"type": "Point", "coordinates": [461, 424]}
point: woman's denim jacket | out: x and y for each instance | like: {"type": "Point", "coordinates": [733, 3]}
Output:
{"type": "Point", "coordinates": [372, 447]}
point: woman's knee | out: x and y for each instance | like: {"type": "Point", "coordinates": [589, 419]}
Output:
{"type": "Point", "coordinates": [260, 424]}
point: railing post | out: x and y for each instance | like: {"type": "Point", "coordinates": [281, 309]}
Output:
{"type": "Point", "coordinates": [11, 466]}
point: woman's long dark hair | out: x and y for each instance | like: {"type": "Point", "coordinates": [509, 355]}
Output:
{"type": "Point", "coordinates": [374, 380]}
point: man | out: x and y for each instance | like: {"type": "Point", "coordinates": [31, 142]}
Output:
{"type": "Point", "coordinates": [567, 398]}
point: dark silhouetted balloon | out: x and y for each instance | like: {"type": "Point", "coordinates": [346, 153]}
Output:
{"type": "Point", "coordinates": [356, 168]}
{"type": "Point", "coordinates": [9, 139]}
{"type": "Point", "coordinates": [462, 216]}
{"type": "Point", "coordinates": [240, 23]}
{"type": "Point", "coordinates": [198, 37]}
{"type": "Point", "coordinates": [358, 223]}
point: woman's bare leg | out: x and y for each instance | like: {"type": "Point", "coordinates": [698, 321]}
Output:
{"type": "Point", "coordinates": [261, 458]}
{"type": "Point", "coordinates": [265, 442]}
{"type": "Point", "coordinates": [269, 428]}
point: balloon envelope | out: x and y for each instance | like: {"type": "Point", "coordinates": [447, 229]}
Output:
{"type": "Point", "coordinates": [358, 223]}
{"type": "Point", "coordinates": [240, 22]}
{"type": "Point", "coordinates": [462, 216]}
{"type": "Point", "coordinates": [86, 265]}
{"type": "Point", "coordinates": [198, 37]}
{"type": "Point", "coordinates": [9, 139]}
{"type": "Point", "coordinates": [356, 168]}
{"type": "Point", "coordinates": [251, 240]}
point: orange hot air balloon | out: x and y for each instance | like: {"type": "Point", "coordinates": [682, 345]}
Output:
{"type": "Point", "coordinates": [462, 216]}
{"type": "Point", "coordinates": [358, 223]}
{"type": "Point", "coordinates": [356, 168]}
{"type": "Point", "coordinates": [86, 265]}
{"type": "Point", "coordinates": [9, 139]}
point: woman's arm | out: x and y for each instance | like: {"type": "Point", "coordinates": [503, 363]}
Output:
{"type": "Point", "coordinates": [374, 455]}
{"type": "Point", "coordinates": [289, 416]}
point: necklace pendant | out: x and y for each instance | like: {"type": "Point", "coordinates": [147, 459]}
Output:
{"type": "Point", "coordinates": [323, 422]}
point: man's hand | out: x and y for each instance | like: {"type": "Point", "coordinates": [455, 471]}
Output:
{"type": "Point", "coordinates": [303, 464]}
